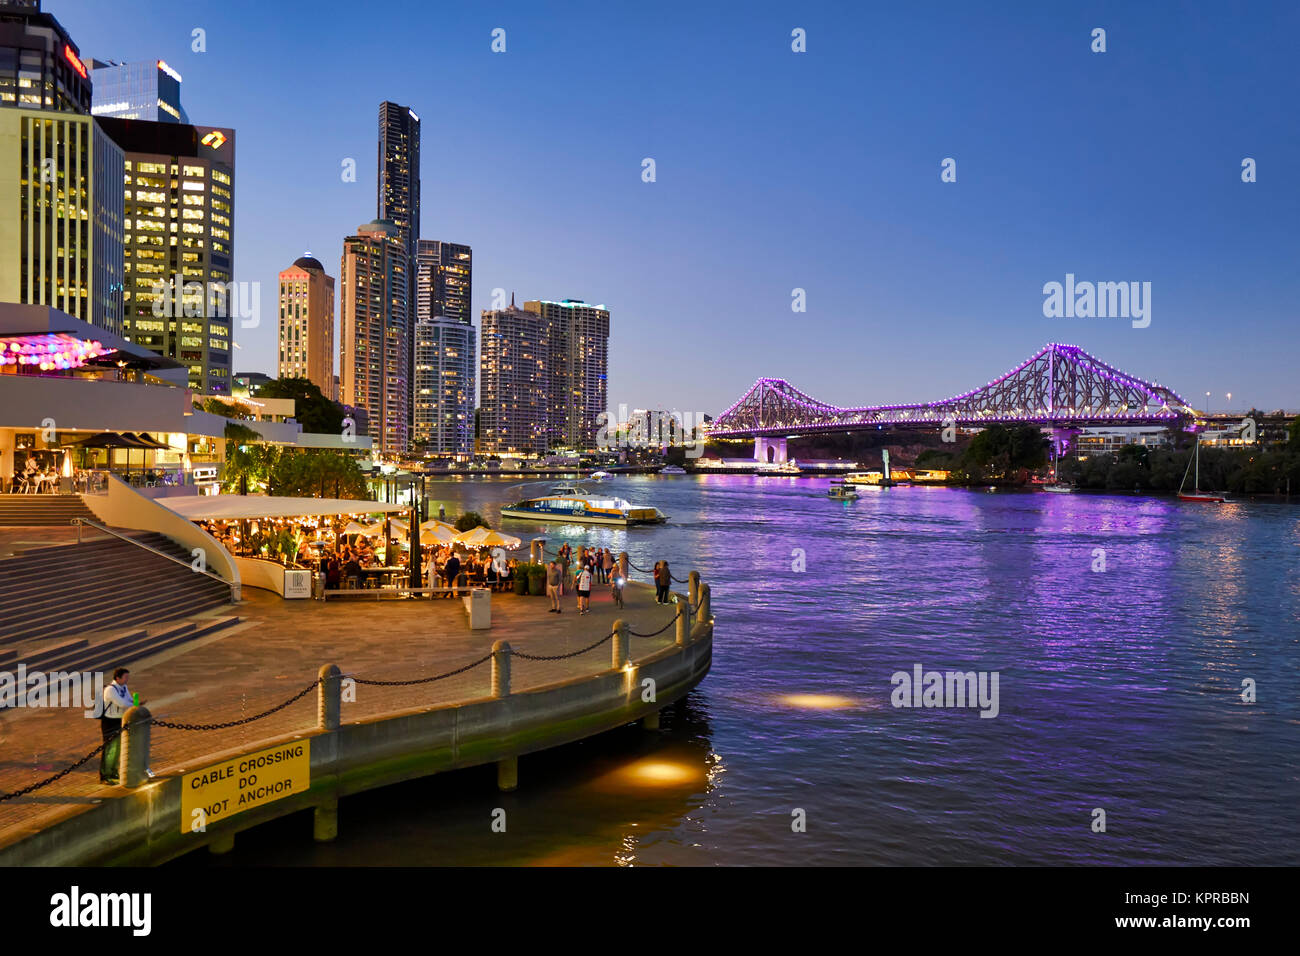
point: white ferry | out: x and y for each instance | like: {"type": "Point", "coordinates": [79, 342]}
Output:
{"type": "Point", "coordinates": [672, 470]}
{"type": "Point", "coordinates": [571, 504]}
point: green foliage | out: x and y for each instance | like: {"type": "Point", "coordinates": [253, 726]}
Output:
{"type": "Point", "coordinates": [933, 458]}
{"type": "Point", "coordinates": [1002, 453]}
{"type": "Point", "coordinates": [312, 409]}
{"type": "Point", "coordinates": [316, 473]}
{"type": "Point", "coordinates": [1250, 470]}
{"type": "Point", "coordinates": [249, 460]}
{"type": "Point", "coordinates": [469, 521]}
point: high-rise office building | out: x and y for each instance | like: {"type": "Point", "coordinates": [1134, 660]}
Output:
{"type": "Point", "coordinates": [307, 324]}
{"type": "Point", "coordinates": [579, 369]}
{"type": "Point", "coordinates": [514, 372]}
{"type": "Point", "coordinates": [40, 67]}
{"type": "Point", "coordinates": [61, 210]}
{"type": "Point", "coordinates": [180, 296]}
{"type": "Point", "coordinates": [374, 333]}
{"type": "Point", "coordinates": [398, 201]}
{"type": "Point", "coordinates": [444, 368]}
{"type": "Point", "coordinates": [149, 90]}
{"type": "Point", "coordinates": [444, 274]}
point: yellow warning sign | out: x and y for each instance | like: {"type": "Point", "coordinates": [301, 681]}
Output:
{"type": "Point", "coordinates": [210, 795]}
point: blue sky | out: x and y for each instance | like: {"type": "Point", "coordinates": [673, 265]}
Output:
{"type": "Point", "coordinates": [777, 170]}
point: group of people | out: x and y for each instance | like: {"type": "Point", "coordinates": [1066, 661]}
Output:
{"type": "Point", "coordinates": [444, 568]}
{"type": "Point", "coordinates": [31, 478]}
{"type": "Point", "coordinates": [596, 566]}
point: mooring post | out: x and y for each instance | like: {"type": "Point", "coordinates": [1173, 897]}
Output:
{"type": "Point", "coordinates": [706, 608]}
{"type": "Point", "coordinates": [133, 758]}
{"type": "Point", "coordinates": [693, 587]}
{"type": "Point", "coordinates": [683, 622]}
{"type": "Point", "coordinates": [620, 655]}
{"type": "Point", "coordinates": [329, 697]}
{"type": "Point", "coordinates": [537, 551]}
{"type": "Point", "coordinates": [501, 669]}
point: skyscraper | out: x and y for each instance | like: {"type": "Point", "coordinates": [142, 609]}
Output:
{"type": "Point", "coordinates": [61, 210]}
{"type": "Point", "coordinates": [444, 369]}
{"type": "Point", "coordinates": [374, 333]}
{"type": "Point", "coordinates": [514, 407]}
{"type": "Point", "coordinates": [179, 238]}
{"type": "Point", "coordinates": [444, 280]}
{"type": "Point", "coordinates": [307, 324]}
{"type": "Point", "coordinates": [149, 90]}
{"type": "Point", "coordinates": [398, 202]}
{"type": "Point", "coordinates": [579, 369]}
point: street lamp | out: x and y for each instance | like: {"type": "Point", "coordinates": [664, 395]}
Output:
{"type": "Point", "coordinates": [1207, 403]}
{"type": "Point", "coordinates": [1230, 401]}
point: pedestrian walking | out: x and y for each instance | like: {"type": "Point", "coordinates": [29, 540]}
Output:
{"type": "Point", "coordinates": [584, 590]}
{"type": "Point", "coordinates": [607, 563]}
{"type": "Point", "coordinates": [117, 701]}
{"type": "Point", "coordinates": [553, 586]}
{"type": "Point", "coordinates": [616, 591]}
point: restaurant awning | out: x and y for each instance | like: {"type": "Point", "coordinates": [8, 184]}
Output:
{"type": "Point", "coordinates": [238, 507]}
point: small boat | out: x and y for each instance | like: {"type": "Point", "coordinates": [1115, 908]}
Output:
{"type": "Point", "coordinates": [1196, 494]}
{"type": "Point", "coordinates": [1059, 488]}
{"type": "Point", "coordinates": [600, 476]}
{"type": "Point", "coordinates": [573, 505]}
{"type": "Point", "coordinates": [841, 491]}
{"type": "Point", "coordinates": [672, 470]}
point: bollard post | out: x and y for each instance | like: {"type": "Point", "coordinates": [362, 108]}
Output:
{"type": "Point", "coordinates": [620, 655]}
{"type": "Point", "coordinates": [706, 609]}
{"type": "Point", "coordinates": [537, 551]}
{"type": "Point", "coordinates": [133, 759]}
{"type": "Point", "coordinates": [501, 669]}
{"type": "Point", "coordinates": [622, 565]}
{"type": "Point", "coordinates": [683, 622]}
{"type": "Point", "coordinates": [329, 694]}
{"type": "Point", "coordinates": [693, 587]}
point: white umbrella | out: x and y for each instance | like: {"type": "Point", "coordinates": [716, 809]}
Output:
{"type": "Point", "coordinates": [444, 534]}
{"type": "Point", "coordinates": [357, 528]}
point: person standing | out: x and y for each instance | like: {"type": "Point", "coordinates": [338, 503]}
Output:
{"type": "Point", "coordinates": [607, 563]}
{"type": "Point", "coordinates": [663, 581]}
{"type": "Point", "coordinates": [584, 589]}
{"type": "Point", "coordinates": [117, 701]}
{"type": "Point", "coordinates": [451, 570]}
{"type": "Point", "coordinates": [553, 586]}
{"type": "Point", "coordinates": [566, 554]}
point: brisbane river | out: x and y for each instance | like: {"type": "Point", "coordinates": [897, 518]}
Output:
{"type": "Point", "coordinates": [1121, 630]}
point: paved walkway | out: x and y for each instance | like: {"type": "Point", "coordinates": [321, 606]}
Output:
{"type": "Point", "coordinates": [279, 649]}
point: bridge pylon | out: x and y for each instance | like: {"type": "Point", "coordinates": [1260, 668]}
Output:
{"type": "Point", "coordinates": [769, 450]}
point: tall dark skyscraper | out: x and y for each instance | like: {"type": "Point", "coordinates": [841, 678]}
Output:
{"type": "Point", "coordinates": [399, 202]}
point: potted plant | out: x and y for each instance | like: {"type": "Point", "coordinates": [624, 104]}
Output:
{"type": "Point", "coordinates": [537, 579]}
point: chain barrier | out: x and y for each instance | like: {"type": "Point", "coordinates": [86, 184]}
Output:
{"type": "Point", "coordinates": [560, 657]}
{"type": "Point", "coordinates": [58, 776]}
{"type": "Point", "coordinates": [177, 725]}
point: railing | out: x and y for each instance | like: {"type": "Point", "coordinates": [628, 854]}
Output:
{"type": "Point", "coordinates": [162, 554]}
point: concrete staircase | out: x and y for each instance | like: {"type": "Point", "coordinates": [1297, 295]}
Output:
{"type": "Point", "coordinates": [29, 511]}
{"type": "Point", "coordinates": [103, 585]}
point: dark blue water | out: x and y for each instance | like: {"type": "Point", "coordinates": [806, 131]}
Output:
{"type": "Point", "coordinates": [1119, 689]}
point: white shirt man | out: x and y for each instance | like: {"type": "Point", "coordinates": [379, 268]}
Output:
{"type": "Point", "coordinates": [117, 699]}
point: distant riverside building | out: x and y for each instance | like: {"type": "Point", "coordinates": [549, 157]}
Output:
{"type": "Point", "coordinates": [61, 210]}
{"type": "Point", "coordinates": [578, 336]}
{"type": "Point", "coordinates": [179, 244]}
{"type": "Point", "coordinates": [149, 90]}
{"type": "Point", "coordinates": [307, 324]}
{"type": "Point", "coordinates": [444, 372]}
{"type": "Point", "coordinates": [514, 374]}
{"type": "Point", "coordinates": [374, 333]}
{"type": "Point", "coordinates": [444, 280]}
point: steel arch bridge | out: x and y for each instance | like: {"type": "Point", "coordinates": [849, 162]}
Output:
{"type": "Point", "coordinates": [1060, 386]}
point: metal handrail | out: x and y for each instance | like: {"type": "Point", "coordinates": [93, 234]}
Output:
{"type": "Point", "coordinates": [140, 544]}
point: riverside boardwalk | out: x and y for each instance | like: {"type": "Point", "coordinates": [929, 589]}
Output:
{"type": "Point", "coordinates": [278, 651]}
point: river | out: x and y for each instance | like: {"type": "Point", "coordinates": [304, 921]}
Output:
{"type": "Point", "coordinates": [1120, 689]}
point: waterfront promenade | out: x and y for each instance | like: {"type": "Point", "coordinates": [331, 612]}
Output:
{"type": "Point", "coordinates": [277, 651]}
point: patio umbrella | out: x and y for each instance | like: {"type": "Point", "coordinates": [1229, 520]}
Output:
{"type": "Point", "coordinates": [442, 534]}
{"type": "Point", "coordinates": [358, 528]}
{"type": "Point", "coordinates": [482, 537]}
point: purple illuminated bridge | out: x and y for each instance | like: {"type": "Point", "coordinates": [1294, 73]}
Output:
{"type": "Point", "coordinates": [1060, 387]}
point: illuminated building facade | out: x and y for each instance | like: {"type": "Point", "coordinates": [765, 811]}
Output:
{"type": "Point", "coordinates": [307, 324]}
{"type": "Point", "coordinates": [514, 371]}
{"type": "Point", "coordinates": [40, 67]}
{"type": "Point", "coordinates": [180, 297]}
{"type": "Point", "coordinates": [578, 369]}
{"type": "Point", "coordinates": [149, 90]}
{"type": "Point", "coordinates": [444, 370]}
{"type": "Point", "coordinates": [374, 333]}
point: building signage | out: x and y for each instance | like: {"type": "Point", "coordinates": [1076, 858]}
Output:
{"type": "Point", "coordinates": [241, 783]}
{"type": "Point", "coordinates": [75, 60]}
{"type": "Point", "coordinates": [208, 473]}
{"type": "Point", "coordinates": [297, 584]}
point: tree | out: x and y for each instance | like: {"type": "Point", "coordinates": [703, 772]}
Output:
{"type": "Point", "coordinates": [469, 521]}
{"type": "Point", "coordinates": [248, 459]}
{"type": "Point", "coordinates": [312, 409]}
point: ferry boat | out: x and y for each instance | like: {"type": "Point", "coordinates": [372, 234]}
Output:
{"type": "Point", "coordinates": [841, 491]}
{"type": "Point", "coordinates": [672, 470]}
{"type": "Point", "coordinates": [875, 478]}
{"type": "Point", "coordinates": [573, 505]}
{"type": "Point", "coordinates": [783, 468]}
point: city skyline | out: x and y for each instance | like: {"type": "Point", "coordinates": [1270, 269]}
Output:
{"type": "Point", "coordinates": [926, 280]}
